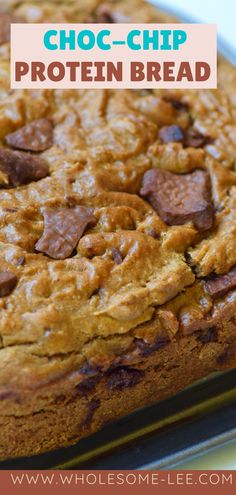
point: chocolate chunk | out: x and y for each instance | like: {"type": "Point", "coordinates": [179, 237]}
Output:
{"type": "Point", "coordinates": [122, 377]}
{"type": "Point", "coordinates": [171, 133]}
{"type": "Point", "coordinates": [35, 136]}
{"type": "Point", "coordinates": [62, 230]}
{"type": "Point", "coordinates": [117, 256]}
{"type": "Point", "coordinates": [208, 335]}
{"type": "Point", "coordinates": [18, 168]}
{"type": "Point", "coordinates": [8, 281]}
{"type": "Point", "coordinates": [10, 210]}
{"type": "Point", "coordinates": [88, 385]}
{"type": "Point", "coordinates": [195, 139]}
{"type": "Point", "coordinates": [154, 234]}
{"type": "Point", "coordinates": [175, 134]}
{"type": "Point", "coordinates": [9, 395]}
{"type": "Point", "coordinates": [21, 261]}
{"type": "Point", "coordinates": [180, 198]}
{"type": "Point", "coordinates": [177, 104]}
{"type": "Point", "coordinates": [147, 349]}
{"type": "Point", "coordinates": [92, 407]}
{"type": "Point", "coordinates": [103, 15]}
{"type": "Point", "coordinates": [6, 19]}
{"type": "Point", "coordinates": [219, 285]}
{"type": "Point", "coordinates": [96, 292]}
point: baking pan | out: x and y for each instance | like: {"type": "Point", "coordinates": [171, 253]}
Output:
{"type": "Point", "coordinates": [160, 436]}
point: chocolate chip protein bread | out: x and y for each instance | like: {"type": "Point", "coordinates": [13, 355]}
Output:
{"type": "Point", "coordinates": [118, 242]}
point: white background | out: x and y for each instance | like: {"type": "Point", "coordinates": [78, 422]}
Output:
{"type": "Point", "coordinates": [220, 12]}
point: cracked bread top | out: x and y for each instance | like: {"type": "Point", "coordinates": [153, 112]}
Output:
{"type": "Point", "coordinates": [118, 212]}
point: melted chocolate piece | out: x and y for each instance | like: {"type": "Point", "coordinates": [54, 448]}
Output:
{"type": "Point", "coordinates": [35, 136]}
{"type": "Point", "coordinates": [88, 385]}
{"type": "Point", "coordinates": [171, 134]}
{"type": "Point", "coordinates": [21, 261]}
{"type": "Point", "coordinates": [10, 210]}
{"type": "Point", "coordinates": [219, 285]}
{"type": "Point", "coordinates": [92, 407]}
{"type": "Point", "coordinates": [104, 14]}
{"type": "Point", "coordinates": [154, 234]}
{"type": "Point", "coordinates": [180, 198]}
{"type": "Point", "coordinates": [63, 229]}
{"type": "Point", "coordinates": [195, 139]}
{"type": "Point", "coordinates": [175, 134]}
{"type": "Point", "coordinates": [122, 377]}
{"type": "Point", "coordinates": [9, 395]}
{"type": "Point", "coordinates": [208, 335]}
{"type": "Point", "coordinates": [8, 281]}
{"type": "Point", "coordinates": [104, 17]}
{"type": "Point", "coordinates": [117, 256]}
{"type": "Point", "coordinates": [147, 349]}
{"type": "Point", "coordinates": [19, 168]}
{"type": "Point", "coordinates": [177, 104]}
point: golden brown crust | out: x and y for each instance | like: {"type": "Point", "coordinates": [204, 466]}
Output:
{"type": "Point", "coordinates": [131, 297]}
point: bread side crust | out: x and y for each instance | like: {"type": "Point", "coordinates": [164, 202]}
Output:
{"type": "Point", "coordinates": [68, 417]}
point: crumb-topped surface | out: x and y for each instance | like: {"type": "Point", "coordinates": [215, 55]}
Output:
{"type": "Point", "coordinates": [117, 216]}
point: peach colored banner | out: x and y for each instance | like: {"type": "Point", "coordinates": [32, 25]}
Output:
{"type": "Point", "coordinates": [113, 56]}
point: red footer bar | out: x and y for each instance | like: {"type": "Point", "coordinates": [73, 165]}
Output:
{"type": "Point", "coordinates": [117, 482]}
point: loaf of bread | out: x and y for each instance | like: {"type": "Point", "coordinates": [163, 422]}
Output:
{"type": "Point", "coordinates": [118, 242]}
